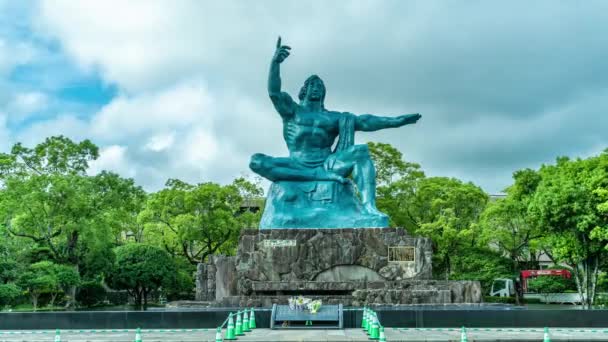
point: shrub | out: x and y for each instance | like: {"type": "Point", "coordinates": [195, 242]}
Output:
{"type": "Point", "coordinates": [9, 293]}
{"type": "Point", "coordinates": [551, 284]}
{"type": "Point", "coordinates": [496, 299]}
{"type": "Point", "coordinates": [91, 293]}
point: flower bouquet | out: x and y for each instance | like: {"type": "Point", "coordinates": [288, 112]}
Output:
{"type": "Point", "coordinates": [314, 306]}
{"type": "Point", "coordinates": [300, 304]}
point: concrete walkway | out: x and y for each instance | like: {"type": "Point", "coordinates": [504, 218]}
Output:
{"type": "Point", "coordinates": [392, 334]}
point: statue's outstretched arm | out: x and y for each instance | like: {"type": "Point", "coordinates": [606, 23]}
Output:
{"type": "Point", "coordinates": [283, 103]}
{"type": "Point", "coordinates": [368, 122]}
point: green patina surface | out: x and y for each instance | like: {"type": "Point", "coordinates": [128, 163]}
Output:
{"type": "Point", "coordinates": [322, 183]}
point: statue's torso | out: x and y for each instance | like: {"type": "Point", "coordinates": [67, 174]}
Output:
{"type": "Point", "coordinates": [310, 135]}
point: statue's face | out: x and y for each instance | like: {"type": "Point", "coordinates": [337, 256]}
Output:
{"type": "Point", "coordinates": [315, 90]}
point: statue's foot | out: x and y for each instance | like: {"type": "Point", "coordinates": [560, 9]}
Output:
{"type": "Point", "coordinates": [338, 178]}
{"type": "Point", "coordinates": [330, 176]}
{"type": "Point", "coordinates": [371, 209]}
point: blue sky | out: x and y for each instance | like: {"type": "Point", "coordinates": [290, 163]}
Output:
{"type": "Point", "coordinates": [176, 89]}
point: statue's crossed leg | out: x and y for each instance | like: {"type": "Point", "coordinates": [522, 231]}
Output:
{"type": "Point", "coordinates": [353, 161]}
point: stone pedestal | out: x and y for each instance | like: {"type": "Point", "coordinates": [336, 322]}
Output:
{"type": "Point", "coordinates": [349, 266]}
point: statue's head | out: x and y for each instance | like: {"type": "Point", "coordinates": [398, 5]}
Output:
{"type": "Point", "coordinates": [313, 89]}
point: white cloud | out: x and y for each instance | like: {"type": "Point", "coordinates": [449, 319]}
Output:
{"type": "Point", "coordinates": [26, 104]}
{"type": "Point", "coordinates": [198, 148]}
{"type": "Point", "coordinates": [160, 142]}
{"type": "Point", "coordinates": [146, 113]}
{"type": "Point", "coordinates": [496, 89]}
{"type": "Point", "coordinates": [65, 124]}
{"type": "Point", "coordinates": [113, 158]}
{"type": "Point", "coordinates": [5, 136]}
{"type": "Point", "coordinates": [15, 53]}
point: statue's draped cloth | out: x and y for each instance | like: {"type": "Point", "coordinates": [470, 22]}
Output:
{"type": "Point", "coordinates": [319, 204]}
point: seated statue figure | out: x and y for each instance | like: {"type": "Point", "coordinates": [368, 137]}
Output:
{"type": "Point", "coordinates": [312, 188]}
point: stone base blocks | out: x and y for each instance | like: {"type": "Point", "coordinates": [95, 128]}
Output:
{"type": "Point", "coordinates": [354, 267]}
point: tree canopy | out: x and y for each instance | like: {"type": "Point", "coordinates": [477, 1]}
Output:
{"type": "Point", "coordinates": [141, 269]}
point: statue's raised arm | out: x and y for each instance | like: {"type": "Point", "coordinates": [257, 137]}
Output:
{"type": "Point", "coordinates": [369, 123]}
{"type": "Point", "coordinates": [283, 103]}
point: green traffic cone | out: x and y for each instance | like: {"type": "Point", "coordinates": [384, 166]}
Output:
{"type": "Point", "coordinates": [374, 334]}
{"type": "Point", "coordinates": [382, 337]}
{"type": "Point", "coordinates": [370, 322]}
{"type": "Point", "coordinates": [138, 335]}
{"type": "Point", "coordinates": [364, 319]}
{"type": "Point", "coordinates": [463, 335]}
{"type": "Point", "coordinates": [252, 319]}
{"type": "Point", "coordinates": [546, 338]}
{"type": "Point", "coordinates": [57, 336]}
{"type": "Point", "coordinates": [246, 321]}
{"type": "Point", "coordinates": [230, 333]}
{"type": "Point", "coordinates": [218, 335]}
{"type": "Point", "coordinates": [239, 324]}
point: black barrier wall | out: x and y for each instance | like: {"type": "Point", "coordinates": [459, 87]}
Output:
{"type": "Point", "coordinates": [122, 319]}
{"type": "Point", "coordinates": [352, 319]}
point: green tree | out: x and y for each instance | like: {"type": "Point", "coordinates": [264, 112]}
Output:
{"type": "Point", "coordinates": [9, 271]}
{"type": "Point", "coordinates": [568, 205]}
{"type": "Point", "coordinates": [56, 155]}
{"type": "Point", "coordinates": [448, 210]}
{"type": "Point", "coordinates": [195, 221]}
{"type": "Point", "coordinates": [141, 269]}
{"type": "Point", "coordinates": [47, 198]}
{"type": "Point", "coordinates": [397, 181]}
{"type": "Point", "coordinates": [67, 280]}
{"type": "Point", "coordinates": [506, 225]}
{"type": "Point", "coordinates": [38, 279]}
{"type": "Point", "coordinates": [8, 294]}
{"type": "Point", "coordinates": [390, 165]}
{"type": "Point", "coordinates": [444, 209]}
{"type": "Point", "coordinates": [482, 264]}
{"type": "Point", "coordinates": [122, 201]}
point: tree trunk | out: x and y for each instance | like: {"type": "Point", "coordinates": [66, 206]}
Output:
{"type": "Point", "coordinates": [71, 293]}
{"type": "Point", "coordinates": [71, 297]}
{"type": "Point", "coordinates": [137, 296]}
{"type": "Point", "coordinates": [586, 272]}
{"type": "Point", "coordinates": [145, 299]}
{"type": "Point", "coordinates": [579, 282]}
{"type": "Point", "coordinates": [514, 270]}
{"type": "Point", "coordinates": [34, 300]}
{"type": "Point", "coordinates": [53, 297]}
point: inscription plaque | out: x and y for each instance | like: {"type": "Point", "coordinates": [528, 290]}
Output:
{"type": "Point", "coordinates": [402, 254]}
{"type": "Point", "coordinates": [278, 243]}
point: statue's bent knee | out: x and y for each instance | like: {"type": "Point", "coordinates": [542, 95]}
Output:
{"type": "Point", "coordinates": [361, 152]}
{"type": "Point", "coordinates": [256, 164]}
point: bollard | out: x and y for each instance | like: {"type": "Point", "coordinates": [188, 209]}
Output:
{"type": "Point", "coordinates": [239, 324]}
{"type": "Point", "coordinates": [246, 321]}
{"type": "Point", "coordinates": [230, 333]}
{"type": "Point", "coordinates": [138, 335]}
{"type": "Point", "coordinates": [382, 337]}
{"type": "Point", "coordinates": [364, 319]}
{"type": "Point", "coordinates": [57, 336]}
{"type": "Point", "coordinates": [546, 337]}
{"type": "Point", "coordinates": [463, 335]}
{"type": "Point", "coordinates": [252, 319]}
{"type": "Point", "coordinates": [218, 335]}
{"type": "Point", "coordinates": [374, 333]}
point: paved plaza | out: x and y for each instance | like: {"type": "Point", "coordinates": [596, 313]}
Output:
{"type": "Point", "coordinates": [392, 334]}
